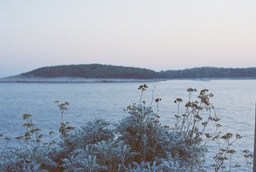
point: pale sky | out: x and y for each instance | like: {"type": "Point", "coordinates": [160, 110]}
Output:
{"type": "Point", "coordinates": [154, 34]}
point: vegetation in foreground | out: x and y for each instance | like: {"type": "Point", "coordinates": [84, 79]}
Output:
{"type": "Point", "coordinates": [137, 143]}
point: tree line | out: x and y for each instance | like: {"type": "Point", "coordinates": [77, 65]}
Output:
{"type": "Point", "coordinates": [121, 72]}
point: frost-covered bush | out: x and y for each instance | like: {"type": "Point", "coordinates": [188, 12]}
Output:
{"type": "Point", "coordinates": [153, 142]}
{"type": "Point", "coordinates": [137, 143]}
{"type": "Point", "coordinates": [183, 144]}
{"type": "Point", "coordinates": [28, 158]}
{"type": "Point", "coordinates": [91, 133]}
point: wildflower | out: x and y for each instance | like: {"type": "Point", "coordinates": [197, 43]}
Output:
{"type": "Point", "coordinates": [26, 116]}
{"type": "Point", "coordinates": [178, 100]}
{"type": "Point", "coordinates": [207, 135]}
{"type": "Point", "coordinates": [204, 123]}
{"type": "Point", "coordinates": [143, 87]}
{"type": "Point", "coordinates": [231, 151]}
{"type": "Point", "coordinates": [190, 90]}
{"type": "Point", "coordinates": [218, 125]}
{"type": "Point", "coordinates": [238, 136]}
{"type": "Point", "coordinates": [227, 136]}
{"type": "Point", "coordinates": [158, 100]}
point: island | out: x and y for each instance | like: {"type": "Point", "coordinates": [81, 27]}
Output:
{"type": "Point", "coordinates": [111, 73]}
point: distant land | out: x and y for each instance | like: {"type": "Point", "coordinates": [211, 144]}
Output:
{"type": "Point", "coordinates": [110, 73]}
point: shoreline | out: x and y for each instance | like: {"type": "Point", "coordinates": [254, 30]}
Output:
{"type": "Point", "coordinates": [105, 80]}
{"type": "Point", "coordinates": [74, 80]}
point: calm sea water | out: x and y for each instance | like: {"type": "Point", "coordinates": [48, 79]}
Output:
{"type": "Point", "coordinates": [234, 102]}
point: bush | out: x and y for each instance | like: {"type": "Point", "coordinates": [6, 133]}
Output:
{"type": "Point", "coordinates": [137, 143]}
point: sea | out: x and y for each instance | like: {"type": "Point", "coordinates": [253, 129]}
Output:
{"type": "Point", "coordinates": [234, 102]}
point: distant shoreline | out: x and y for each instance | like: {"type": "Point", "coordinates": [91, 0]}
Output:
{"type": "Point", "coordinates": [99, 73]}
{"type": "Point", "coordinates": [106, 80]}
{"type": "Point", "coordinates": [74, 80]}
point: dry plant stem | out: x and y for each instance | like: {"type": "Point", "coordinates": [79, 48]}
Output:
{"type": "Point", "coordinates": [230, 160]}
{"type": "Point", "coordinates": [141, 93]}
{"type": "Point", "coordinates": [194, 124]}
{"type": "Point", "coordinates": [62, 118]}
{"type": "Point", "coordinates": [186, 114]}
{"type": "Point", "coordinates": [222, 161]}
{"type": "Point", "coordinates": [185, 118]}
{"type": "Point", "coordinates": [178, 110]}
{"type": "Point", "coordinates": [213, 135]}
{"type": "Point", "coordinates": [5, 147]}
{"type": "Point", "coordinates": [225, 154]}
{"type": "Point", "coordinates": [36, 132]}
{"type": "Point", "coordinates": [157, 108]}
{"type": "Point", "coordinates": [216, 130]}
{"type": "Point", "coordinates": [152, 97]}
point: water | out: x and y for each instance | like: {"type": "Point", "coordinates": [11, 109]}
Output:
{"type": "Point", "coordinates": [234, 101]}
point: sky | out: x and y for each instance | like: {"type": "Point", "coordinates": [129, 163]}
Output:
{"type": "Point", "coordinates": [153, 34]}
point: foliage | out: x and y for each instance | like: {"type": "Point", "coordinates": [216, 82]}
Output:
{"type": "Point", "coordinates": [109, 71]}
{"type": "Point", "coordinates": [92, 71]}
{"type": "Point", "coordinates": [210, 72]}
{"type": "Point", "coordinates": [137, 143]}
